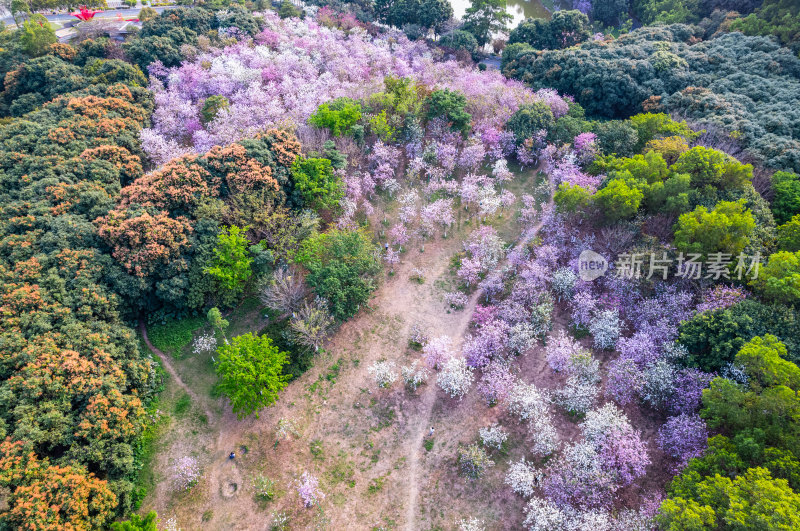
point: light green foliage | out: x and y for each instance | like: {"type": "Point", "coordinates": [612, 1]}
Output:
{"type": "Point", "coordinates": [618, 200]}
{"type": "Point", "coordinates": [342, 266]}
{"type": "Point", "coordinates": [667, 11]}
{"type": "Point", "coordinates": [724, 229]}
{"type": "Point", "coordinates": [316, 183]}
{"type": "Point", "coordinates": [752, 501]}
{"type": "Point", "coordinates": [786, 200]}
{"type": "Point", "coordinates": [380, 127]}
{"type": "Point", "coordinates": [765, 363]}
{"type": "Point", "coordinates": [779, 280]}
{"type": "Point", "coordinates": [232, 260]}
{"type": "Point", "coordinates": [138, 523]}
{"type": "Point", "coordinates": [216, 321]}
{"type": "Point", "coordinates": [36, 36]}
{"type": "Point", "coordinates": [710, 167]}
{"type": "Point", "coordinates": [775, 17]}
{"type": "Point", "coordinates": [212, 106]}
{"type": "Point", "coordinates": [339, 116]}
{"type": "Point", "coordinates": [529, 120]}
{"type": "Point", "coordinates": [570, 198]}
{"type": "Point", "coordinates": [789, 235]}
{"type": "Point", "coordinates": [250, 371]}
{"type": "Point", "coordinates": [449, 105]}
{"type": "Point", "coordinates": [651, 126]}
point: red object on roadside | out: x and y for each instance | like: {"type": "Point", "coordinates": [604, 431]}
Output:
{"type": "Point", "coordinates": [84, 13]}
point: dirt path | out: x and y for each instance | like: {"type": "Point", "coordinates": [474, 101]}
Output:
{"type": "Point", "coordinates": [167, 364]}
{"type": "Point", "coordinates": [373, 468]}
{"type": "Point", "coordinates": [423, 426]}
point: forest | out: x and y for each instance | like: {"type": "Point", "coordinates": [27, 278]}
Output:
{"type": "Point", "coordinates": [362, 265]}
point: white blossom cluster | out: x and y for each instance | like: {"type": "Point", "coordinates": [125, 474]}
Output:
{"type": "Point", "coordinates": [523, 478]}
{"type": "Point", "coordinates": [493, 436]}
{"type": "Point", "coordinates": [204, 343]}
{"type": "Point", "coordinates": [530, 404]}
{"type": "Point", "coordinates": [285, 429]}
{"type": "Point", "coordinates": [383, 372]}
{"type": "Point", "coordinates": [455, 377]}
{"type": "Point", "coordinates": [605, 329]}
{"type": "Point", "coordinates": [473, 524]}
{"type": "Point", "coordinates": [414, 375]}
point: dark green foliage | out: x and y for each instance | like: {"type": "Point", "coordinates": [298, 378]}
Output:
{"type": "Point", "coordinates": [427, 14]}
{"type": "Point", "coordinates": [714, 338]}
{"type": "Point", "coordinates": [529, 120]}
{"type": "Point", "coordinates": [565, 29]}
{"type": "Point", "coordinates": [341, 268]}
{"type": "Point", "coordinates": [512, 51]}
{"type": "Point", "coordinates": [610, 12]}
{"type": "Point", "coordinates": [459, 40]}
{"type": "Point", "coordinates": [288, 10]}
{"type": "Point", "coordinates": [617, 138]}
{"type": "Point", "coordinates": [748, 89]}
{"type": "Point", "coordinates": [484, 18]}
{"type": "Point", "coordinates": [449, 105]}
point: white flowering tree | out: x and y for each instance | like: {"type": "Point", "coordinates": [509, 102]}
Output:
{"type": "Point", "coordinates": [455, 377]}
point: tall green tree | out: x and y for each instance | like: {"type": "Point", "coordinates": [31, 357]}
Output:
{"type": "Point", "coordinates": [250, 369]}
{"type": "Point", "coordinates": [725, 229]}
{"type": "Point", "coordinates": [486, 17]}
{"type": "Point", "coordinates": [231, 265]}
{"type": "Point", "coordinates": [36, 35]}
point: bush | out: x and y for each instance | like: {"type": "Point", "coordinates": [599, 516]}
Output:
{"type": "Point", "coordinates": [342, 267]}
{"type": "Point", "coordinates": [617, 200]}
{"type": "Point", "coordinates": [459, 40]}
{"type": "Point", "coordinates": [530, 119]}
{"type": "Point", "coordinates": [786, 203]}
{"type": "Point", "coordinates": [563, 30]}
{"type": "Point", "coordinates": [473, 461]}
{"type": "Point", "coordinates": [725, 229]}
{"type": "Point", "coordinates": [449, 105]}
{"type": "Point", "coordinates": [339, 116]}
{"type": "Point", "coordinates": [250, 369]}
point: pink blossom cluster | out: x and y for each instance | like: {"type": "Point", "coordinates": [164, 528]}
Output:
{"type": "Point", "coordinates": [293, 66]}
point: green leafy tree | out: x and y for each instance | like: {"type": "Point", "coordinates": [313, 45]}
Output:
{"type": "Point", "coordinates": [288, 10]}
{"type": "Point", "coordinates": [786, 203]}
{"type": "Point", "coordinates": [617, 138]}
{"type": "Point", "coordinates": [617, 200]}
{"type": "Point", "coordinates": [342, 266]}
{"type": "Point", "coordinates": [250, 369]}
{"type": "Point", "coordinates": [789, 235]}
{"type": "Point", "coordinates": [484, 18]}
{"type": "Point", "coordinates": [316, 183]}
{"type": "Point", "coordinates": [651, 126]}
{"type": "Point", "coordinates": [714, 338]}
{"type": "Point", "coordinates": [610, 12]}
{"type": "Point", "coordinates": [670, 196]}
{"type": "Point", "coordinates": [711, 167]}
{"type": "Point", "coordinates": [571, 199]}
{"type": "Point", "coordinates": [725, 229]}
{"type": "Point", "coordinates": [338, 116]}
{"type": "Point", "coordinates": [779, 280]}
{"type": "Point", "coordinates": [212, 106]}
{"type": "Point", "coordinates": [459, 40]}
{"type": "Point", "coordinates": [36, 35]}
{"type": "Point", "coordinates": [216, 320]}
{"type": "Point", "coordinates": [566, 28]}
{"type": "Point", "coordinates": [450, 105]}
{"type": "Point", "coordinates": [231, 265]}
{"type": "Point", "coordinates": [529, 120]}
{"type": "Point", "coordinates": [765, 363]}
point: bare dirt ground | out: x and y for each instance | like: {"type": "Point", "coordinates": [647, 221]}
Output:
{"type": "Point", "coordinates": [366, 446]}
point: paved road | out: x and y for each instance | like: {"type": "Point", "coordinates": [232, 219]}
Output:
{"type": "Point", "coordinates": [112, 13]}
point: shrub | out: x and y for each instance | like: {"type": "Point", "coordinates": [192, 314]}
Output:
{"type": "Point", "coordinates": [493, 436]}
{"type": "Point", "coordinates": [383, 372]}
{"type": "Point", "coordinates": [618, 201]}
{"type": "Point", "coordinates": [529, 120]}
{"type": "Point", "coordinates": [338, 116]}
{"type": "Point", "coordinates": [725, 229]}
{"type": "Point", "coordinates": [523, 478]}
{"type": "Point", "coordinates": [473, 461]}
{"type": "Point", "coordinates": [455, 377]}
{"type": "Point", "coordinates": [449, 105]}
{"type": "Point", "coordinates": [779, 280]}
